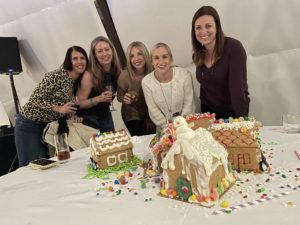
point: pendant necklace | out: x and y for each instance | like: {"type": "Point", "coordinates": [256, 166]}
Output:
{"type": "Point", "coordinates": [169, 117]}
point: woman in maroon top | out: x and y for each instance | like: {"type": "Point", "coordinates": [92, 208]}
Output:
{"type": "Point", "coordinates": [221, 67]}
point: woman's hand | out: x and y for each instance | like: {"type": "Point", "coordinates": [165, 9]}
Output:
{"type": "Point", "coordinates": [105, 96]}
{"type": "Point", "coordinates": [65, 109]}
{"type": "Point", "coordinates": [127, 99]}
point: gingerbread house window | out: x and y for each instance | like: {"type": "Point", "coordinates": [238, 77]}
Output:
{"type": "Point", "coordinates": [122, 157]}
{"type": "Point", "coordinates": [111, 160]}
{"type": "Point", "coordinates": [244, 159]}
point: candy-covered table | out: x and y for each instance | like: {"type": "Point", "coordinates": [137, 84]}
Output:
{"type": "Point", "coordinates": [60, 196]}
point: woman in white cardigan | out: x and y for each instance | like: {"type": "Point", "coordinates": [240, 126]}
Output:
{"type": "Point", "coordinates": [168, 90]}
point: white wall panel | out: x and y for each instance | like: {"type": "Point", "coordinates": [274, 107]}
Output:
{"type": "Point", "coordinates": [45, 29]}
{"type": "Point", "coordinates": [267, 29]}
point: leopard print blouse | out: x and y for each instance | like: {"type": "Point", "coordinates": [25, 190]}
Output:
{"type": "Point", "coordinates": [56, 88]}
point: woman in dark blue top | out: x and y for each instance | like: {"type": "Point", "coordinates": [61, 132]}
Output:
{"type": "Point", "coordinates": [92, 93]}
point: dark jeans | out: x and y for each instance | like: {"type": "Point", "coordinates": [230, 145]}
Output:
{"type": "Point", "coordinates": [28, 139]}
{"type": "Point", "coordinates": [102, 122]}
{"type": "Point", "coordinates": [224, 115]}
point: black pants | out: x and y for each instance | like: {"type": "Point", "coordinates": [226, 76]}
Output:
{"type": "Point", "coordinates": [223, 115]}
{"type": "Point", "coordinates": [136, 127]}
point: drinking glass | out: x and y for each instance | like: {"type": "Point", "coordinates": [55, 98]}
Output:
{"type": "Point", "coordinates": [110, 87]}
{"type": "Point", "coordinates": [291, 123]}
{"type": "Point", "coordinates": [75, 101]}
{"type": "Point", "coordinates": [62, 146]}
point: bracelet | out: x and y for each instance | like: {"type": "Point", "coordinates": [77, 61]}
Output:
{"type": "Point", "coordinates": [92, 102]}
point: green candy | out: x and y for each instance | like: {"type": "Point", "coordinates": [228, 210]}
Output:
{"type": "Point", "coordinates": [183, 188]}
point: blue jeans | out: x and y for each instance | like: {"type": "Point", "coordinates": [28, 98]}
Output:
{"type": "Point", "coordinates": [28, 139]}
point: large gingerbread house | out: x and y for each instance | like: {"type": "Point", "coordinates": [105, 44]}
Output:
{"type": "Point", "coordinates": [240, 138]}
{"type": "Point", "coordinates": [110, 149]}
{"type": "Point", "coordinates": [195, 168]}
{"type": "Point", "coordinates": [164, 139]}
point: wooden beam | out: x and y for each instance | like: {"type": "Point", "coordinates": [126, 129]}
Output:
{"type": "Point", "coordinates": [108, 23]}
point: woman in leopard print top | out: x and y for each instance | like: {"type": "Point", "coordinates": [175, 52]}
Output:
{"type": "Point", "coordinates": [50, 101]}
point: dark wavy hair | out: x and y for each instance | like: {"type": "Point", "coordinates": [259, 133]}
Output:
{"type": "Point", "coordinates": [198, 49]}
{"type": "Point", "coordinates": [67, 64]}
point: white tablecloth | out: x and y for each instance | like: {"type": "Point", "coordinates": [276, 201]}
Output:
{"type": "Point", "coordinates": [60, 196]}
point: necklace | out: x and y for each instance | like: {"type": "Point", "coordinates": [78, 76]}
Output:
{"type": "Point", "coordinates": [169, 107]}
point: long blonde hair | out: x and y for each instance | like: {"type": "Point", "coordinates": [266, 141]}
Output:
{"type": "Point", "coordinates": [95, 67]}
{"type": "Point", "coordinates": [141, 47]}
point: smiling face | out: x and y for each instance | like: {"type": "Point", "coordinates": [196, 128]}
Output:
{"type": "Point", "coordinates": [161, 60]}
{"type": "Point", "coordinates": [79, 62]}
{"type": "Point", "coordinates": [137, 59]}
{"type": "Point", "coordinates": [205, 30]}
{"type": "Point", "coordinates": [104, 54]}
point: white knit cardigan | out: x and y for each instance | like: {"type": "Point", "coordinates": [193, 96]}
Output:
{"type": "Point", "coordinates": [182, 95]}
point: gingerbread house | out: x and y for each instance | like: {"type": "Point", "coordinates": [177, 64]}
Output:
{"type": "Point", "coordinates": [110, 149]}
{"type": "Point", "coordinates": [164, 139]}
{"type": "Point", "coordinates": [160, 145]}
{"type": "Point", "coordinates": [197, 120]}
{"type": "Point", "coordinates": [240, 138]}
{"type": "Point", "coordinates": [195, 169]}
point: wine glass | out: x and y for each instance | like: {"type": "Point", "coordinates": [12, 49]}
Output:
{"type": "Point", "coordinates": [110, 87]}
{"type": "Point", "coordinates": [133, 95]}
{"type": "Point", "coordinates": [75, 102]}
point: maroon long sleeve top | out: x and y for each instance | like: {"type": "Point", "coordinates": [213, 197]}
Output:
{"type": "Point", "coordinates": [223, 87]}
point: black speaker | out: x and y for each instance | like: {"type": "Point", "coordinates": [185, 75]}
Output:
{"type": "Point", "coordinates": [10, 61]}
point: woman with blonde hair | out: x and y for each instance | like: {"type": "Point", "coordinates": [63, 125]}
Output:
{"type": "Point", "coordinates": [168, 89]}
{"type": "Point", "coordinates": [93, 93]}
{"type": "Point", "coordinates": [134, 109]}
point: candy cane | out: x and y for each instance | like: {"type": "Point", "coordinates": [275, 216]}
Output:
{"type": "Point", "coordinates": [297, 152]}
{"type": "Point", "coordinates": [246, 204]}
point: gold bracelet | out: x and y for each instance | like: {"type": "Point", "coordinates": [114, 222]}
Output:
{"type": "Point", "coordinates": [92, 102]}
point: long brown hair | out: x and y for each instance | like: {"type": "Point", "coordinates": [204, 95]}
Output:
{"type": "Point", "coordinates": [95, 67]}
{"type": "Point", "coordinates": [198, 49]}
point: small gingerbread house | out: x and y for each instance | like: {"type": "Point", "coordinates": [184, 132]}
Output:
{"type": "Point", "coordinates": [110, 149]}
{"type": "Point", "coordinates": [239, 137]}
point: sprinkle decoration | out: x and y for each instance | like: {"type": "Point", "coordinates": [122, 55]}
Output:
{"type": "Point", "coordinates": [251, 203]}
{"type": "Point", "coordinates": [297, 152]}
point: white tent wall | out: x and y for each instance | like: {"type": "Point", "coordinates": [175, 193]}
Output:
{"type": "Point", "coordinates": [268, 30]}
{"type": "Point", "coordinates": [45, 30]}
